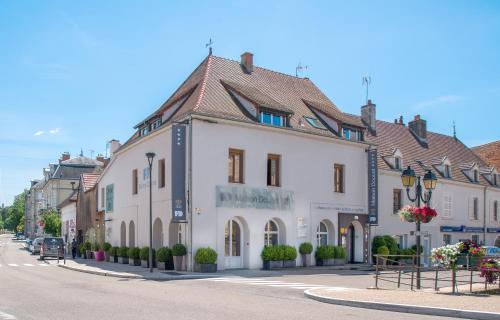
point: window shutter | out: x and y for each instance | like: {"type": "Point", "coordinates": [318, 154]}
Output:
{"type": "Point", "coordinates": [492, 213]}
{"type": "Point", "coordinates": [471, 208]}
{"type": "Point", "coordinates": [447, 205]}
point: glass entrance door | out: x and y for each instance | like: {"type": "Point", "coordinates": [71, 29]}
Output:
{"type": "Point", "coordinates": [232, 239]}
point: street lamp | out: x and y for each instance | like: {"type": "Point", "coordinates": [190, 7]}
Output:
{"type": "Point", "coordinates": [408, 178]}
{"type": "Point", "coordinates": [150, 156]}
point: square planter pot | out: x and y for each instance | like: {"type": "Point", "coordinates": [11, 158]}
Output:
{"type": "Point", "coordinates": [269, 265]}
{"type": "Point", "coordinates": [162, 265]}
{"type": "Point", "coordinates": [325, 262]}
{"type": "Point", "coordinates": [339, 261]}
{"type": "Point", "coordinates": [113, 259]}
{"type": "Point", "coordinates": [306, 260]}
{"type": "Point", "coordinates": [123, 260]}
{"type": "Point", "coordinates": [179, 264]}
{"type": "Point", "coordinates": [205, 268]}
{"type": "Point", "coordinates": [289, 264]}
{"type": "Point", "coordinates": [107, 257]}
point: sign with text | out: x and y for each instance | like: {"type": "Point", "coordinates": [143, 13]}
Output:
{"type": "Point", "coordinates": [243, 197]}
{"type": "Point", "coordinates": [178, 172]}
{"type": "Point", "coordinates": [372, 187]}
{"type": "Point", "coordinates": [341, 208]}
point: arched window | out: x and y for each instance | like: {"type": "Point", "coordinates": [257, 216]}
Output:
{"type": "Point", "coordinates": [271, 233]}
{"type": "Point", "coordinates": [322, 234]}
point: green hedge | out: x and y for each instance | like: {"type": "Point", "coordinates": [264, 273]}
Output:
{"type": "Point", "coordinates": [81, 247]}
{"type": "Point", "coordinates": [278, 253]}
{"type": "Point", "coordinates": [114, 251]}
{"type": "Point", "coordinates": [383, 250]}
{"type": "Point", "coordinates": [134, 253]}
{"type": "Point", "coordinates": [123, 252]}
{"type": "Point", "coordinates": [163, 254]}
{"type": "Point", "coordinates": [305, 248]}
{"type": "Point", "coordinates": [385, 241]}
{"type": "Point", "coordinates": [325, 252]}
{"type": "Point", "coordinates": [87, 245]}
{"type": "Point", "coordinates": [179, 250]}
{"type": "Point", "coordinates": [205, 256]}
{"type": "Point", "coordinates": [339, 252]}
{"type": "Point", "coordinates": [289, 252]}
{"type": "Point", "coordinates": [144, 253]}
{"type": "Point", "coordinates": [106, 247]}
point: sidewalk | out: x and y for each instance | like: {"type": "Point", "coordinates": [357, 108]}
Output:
{"type": "Point", "coordinates": [443, 303]}
{"type": "Point", "coordinates": [133, 272]}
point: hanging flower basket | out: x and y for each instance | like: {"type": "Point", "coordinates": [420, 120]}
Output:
{"type": "Point", "coordinates": [414, 214]}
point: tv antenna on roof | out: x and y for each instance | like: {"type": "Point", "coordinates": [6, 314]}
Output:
{"type": "Point", "coordinates": [300, 68]}
{"type": "Point", "coordinates": [454, 131]}
{"type": "Point", "coordinates": [209, 46]}
{"type": "Point", "coordinates": [91, 153]}
{"type": "Point", "coordinates": [367, 80]}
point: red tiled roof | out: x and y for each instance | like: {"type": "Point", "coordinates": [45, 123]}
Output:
{"type": "Point", "coordinates": [490, 153]}
{"type": "Point", "coordinates": [89, 180]}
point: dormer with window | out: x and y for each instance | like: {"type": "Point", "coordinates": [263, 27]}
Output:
{"type": "Point", "coordinates": [350, 133]}
{"type": "Point", "coordinates": [395, 160]}
{"type": "Point", "coordinates": [471, 171]}
{"type": "Point", "coordinates": [443, 166]}
{"type": "Point", "coordinates": [492, 176]}
{"type": "Point", "coordinates": [273, 118]}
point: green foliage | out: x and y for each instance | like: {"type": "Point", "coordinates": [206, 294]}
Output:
{"type": "Point", "coordinates": [272, 253]}
{"type": "Point", "coordinates": [20, 226]}
{"type": "Point", "coordinates": [123, 252]}
{"type": "Point", "coordinates": [134, 253]}
{"type": "Point", "coordinates": [12, 215]}
{"type": "Point", "coordinates": [289, 252]}
{"type": "Point", "coordinates": [391, 244]}
{"type": "Point", "coordinates": [114, 251]}
{"type": "Point", "coordinates": [52, 222]}
{"type": "Point", "coordinates": [305, 248]}
{"type": "Point", "coordinates": [325, 252]}
{"type": "Point", "coordinates": [407, 252]}
{"type": "Point", "coordinates": [339, 252]}
{"type": "Point", "coordinates": [163, 254]}
{"type": "Point", "coordinates": [97, 247]}
{"type": "Point", "coordinates": [87, 245]}
{"type": "Point", "coordinates": [179, 250]}
{"type": "Point", "coordinates": [205, 256]}
{"type": "Point", "coordinates": [414, 248]}
{"type": "Point", "coordinates": [383, 250]}
{"type": "Point", "coordinates": [81, 247]}
{"type": "Point", "coordinates": [106, 247]}
{"type": "Point", "coordinates": [144, 253]}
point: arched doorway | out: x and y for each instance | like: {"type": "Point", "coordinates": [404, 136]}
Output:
{"type": "Point", "coordinates": [131, 234]}
{"type": "Point", "coordinates": [157, 234]}
{"type": "Point", "coordinates": [355, 243]}
{"type": "Point", "coordinates": [233, 244]}
{"type": "Point", "coordinates": [123, 234]}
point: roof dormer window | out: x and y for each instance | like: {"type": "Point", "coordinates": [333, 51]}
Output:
{"type": "Point", "coordinates": [156, 124]}
{"type": "Point", "coordinates": [476, 175]}
{"type": "Point", "coordinates": [447, 171]}
{"type": "Point", "coordinates": [272, 119]}
{"type": "Point", "coordinates": [315, 123]}
{"type": "Point", "coordinates": [495, 179]}
{"type": "Point", "coordinates": [145, 130]}
{"type": "Point", "coordinates": [397, 163]}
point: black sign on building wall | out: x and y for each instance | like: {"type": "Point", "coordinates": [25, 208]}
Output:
{"type": "Point", "coordinates": [178, 172]}
{"type": "Point", "coordinates": [372, 187]}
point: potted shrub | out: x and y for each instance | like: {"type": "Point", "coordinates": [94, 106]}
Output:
{"type": "Point", "coordinates": [82, 250]}
{"type": "Point", "coordinates": [383, 253]}
{"type": "Point", "coordinates": [123, 255]}
{"type": "Point", "coordinates": [107, 248]}
{"type": "Point", "coordinates": [289, 256]}
{"type": "Point", "coordinates": [113, 254]}
{"type": "Point", "coordinates": [178, 252]}
{"type": "Point", "coordinates": [88, 250]}
{"type": "Point", "coordinates": [134, 258]}
{"type": "Point", "coordinates": [144, 256]}
{"type": "Point", "coordinates": [164, 258]}
{"type": "Point", "coordinates": [305, 250]}
{"type": "Point", "coordinates": [206, 260]}
{"type": "Point", "coordinates": [325, 255]}
{"type": "Point", "coordinates": [272, 257]}
{"type": "Point", "coordinates": [339, 255]}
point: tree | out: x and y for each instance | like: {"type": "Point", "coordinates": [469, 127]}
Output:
{"type": "Point", "coordinates": [15, 212]}
{"type": "Point", "coordinates": [20, 226]}
{"type": "Point", "coordinates": [52, 222]}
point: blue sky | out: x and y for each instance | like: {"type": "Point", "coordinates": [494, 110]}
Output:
{"type": "Point", "coordinates": [75, 74]}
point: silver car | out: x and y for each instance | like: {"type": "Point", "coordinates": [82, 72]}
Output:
{"type": "Point", "coordinates": [37, 243]}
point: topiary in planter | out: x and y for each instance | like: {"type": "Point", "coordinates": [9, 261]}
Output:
{"type": "Point", "coordinates": [106, 247]}
{"type": "Point", "coordinates": [206, 260]}
{"type": "Point", "coordinates": [144, 256]}
{"type": "Point", "coordinates": [325, 255]}
{"type": "Point", "coordinates": [134, 256]}
{"type": "Point", "coordinates": [123, 255]}
{"type": "Point", "coordinates": [113, 252]}
{"type": "Point", "coordinates": [306, 248]}
{"type": "Point", "coordinates": [289, 256]}
{"type": "Point", "coordinates": [272, 257]}
{"type": "Point", "coordinates": [83, 251]}
{"type": "Point", "coordinates": [164, 258]}
{"type": "Point", "coordinates": [339, 255]}
{"type": "Point", "coordinates": [179, 251]}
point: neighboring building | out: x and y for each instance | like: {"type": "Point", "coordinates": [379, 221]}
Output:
{"type": "Point", "coordinates": [490, 153]}
{"type": "Point", "coordinates": [68, 218]}
{"type": "Point", "coordinates": [32, 208]}
{"type": "Point", "coordinates": [87, 215]}
{"type": "Point", "coordinates": [269, 160]}
{"type": "Point", "coordinates": [467, 195]}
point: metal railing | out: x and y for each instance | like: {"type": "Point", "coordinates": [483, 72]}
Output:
{"type": "Point", "coordinates": [401, 270]}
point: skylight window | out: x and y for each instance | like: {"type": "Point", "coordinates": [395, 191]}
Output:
{"type": "Point", "coordinates": [315, 123]}
{"type": "Point", "coordinates": [272, 119]}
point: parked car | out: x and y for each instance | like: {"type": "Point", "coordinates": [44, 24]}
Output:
{"type": "Point", "coordinates": [27, 244]}
{"type": "Point", "coordinates": [35, 246]}
{"type": "Point", "coordinates": [52, 247]}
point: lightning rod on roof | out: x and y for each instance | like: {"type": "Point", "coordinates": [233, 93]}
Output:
{"type": "Point", "coordinates": [367, 80]}
{"type": "Point", "coordinates": [209, 46]}
{"type": "Point", "coordinates": [454, 131]}
{"type": "Point", "coordinates": [300, 68]}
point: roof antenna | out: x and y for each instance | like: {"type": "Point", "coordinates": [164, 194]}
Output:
{"type": "Point", "coordinates": [81, 152]}
{"type": "Point", "coordinates": [92, 153]}
{"type": "Point", "coordinates": [367, 80]}
{"type": "Point", "coordinates": [454, 131]}
{"type": "Point", "coordinates": [209, 46]}
{"type": "Point", "coordinates": [300, 68]}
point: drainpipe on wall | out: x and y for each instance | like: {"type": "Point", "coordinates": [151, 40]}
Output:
{"type": "Point", "coordinates": [484, 215]}
{"type": "Point", "coordinates": [190, 191]}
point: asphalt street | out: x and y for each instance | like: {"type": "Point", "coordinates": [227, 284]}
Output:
{"type": "Point", "coordinates": [33, 289]}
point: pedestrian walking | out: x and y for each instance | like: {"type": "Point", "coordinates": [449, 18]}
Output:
{"type": "Point", "coordinates": [73, 248]}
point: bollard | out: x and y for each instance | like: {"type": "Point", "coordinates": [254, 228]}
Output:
{"type": "Point", "coordinates": [436, 280]}
{"type": "Point", "coordinates": [399, 278]}
{"type": "Point", "coordinates": [376, 271]}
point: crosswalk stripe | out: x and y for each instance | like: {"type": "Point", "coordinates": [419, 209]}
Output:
{"type": "Point", "coordinates": [28, 265]}
{"type": "Point", "coordinates": [43, 265]}
{"type": "Point", "coordinates": [13, 265]}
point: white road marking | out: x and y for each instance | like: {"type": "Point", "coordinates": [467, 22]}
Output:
{"type": "Point", "coordinates": [6, 316]}
{"type": "Point", "coordinates": [268, 283]}
{"type": "Point", "coordinates": [43, 265]}
{"type": "Point", "coordinates": [29, 265]}
{"type": "Point", "coordinates": [13, 265]}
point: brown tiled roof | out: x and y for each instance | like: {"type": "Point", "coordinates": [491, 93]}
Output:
{"type": "Point", "coordinates": [390, 136]}
{"type": "Point", "coordinates": [88, 181]}
{"type": "Point", "coordinates": [209, 95]}
{"type": "Point", "coordinates": [490, 153]}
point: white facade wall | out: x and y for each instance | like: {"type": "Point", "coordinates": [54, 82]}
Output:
{"type": "Point", "coordinates": [68, 223]}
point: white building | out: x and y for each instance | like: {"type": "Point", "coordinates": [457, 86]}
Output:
{"type": "Point", "coordinates": [467, 196]}
{"type": "Point", "coordinates": [68, 219]}
{"type": "Point", "coordinates": [269, 159]}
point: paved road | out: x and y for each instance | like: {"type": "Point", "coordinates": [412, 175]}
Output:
{"type": "Point", "coordinates": [31, 289]}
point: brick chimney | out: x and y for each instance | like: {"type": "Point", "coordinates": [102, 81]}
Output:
{"type": "Point", "coordinates": [65, 156]}
{"type": "Point", "coordinates": [113, 146]}
{"type": "Point", "coordinates": [368, 116]}
{"type": "Point", "coordinates": [247, 62]}
{"type": "Point", "coordinates": [419, 129]}
{"type": "Point", "coordinates": [100, 158]}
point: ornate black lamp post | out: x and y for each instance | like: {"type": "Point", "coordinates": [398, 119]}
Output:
{"type": "Point", "coordinates": [150, 156]}
{"type": "Point", "coordinates": [408, 178]}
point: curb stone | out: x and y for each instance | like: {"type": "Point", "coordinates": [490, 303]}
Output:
{"type": "Point", "coordinates": [406, 308]}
